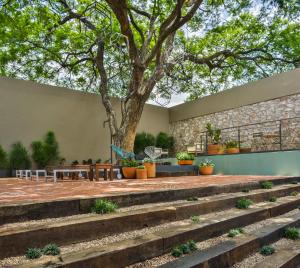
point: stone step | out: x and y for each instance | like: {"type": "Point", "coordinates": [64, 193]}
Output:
{"type": "Point", "coordinates": [126, 252]}
{"type": "Point", "coordinates": [230, 252]}
{"type": "Point", "coordinates": [67, 207]}
{"type": "Point", "coordinates": [89, 227]}
{"type": "Point", "coordinates": [288, 257]}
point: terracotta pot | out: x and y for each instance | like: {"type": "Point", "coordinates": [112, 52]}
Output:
{"type": "Point", "coordinates": [141, 173]}
{"type": "Point", "coordinates": [232, 150]}
{"type": "Point", "coordinates": [129, 172]}
{"type": "Point", "coordinates": [151, 169]}
{"type": "Point", "coordinates": [185, 162]}
{"type": "Point", "coordinates": [215, 149]}
{"type": "Point", "coordinates": [245, 150]}
{"type": "Point", "coordinates": [206, 170]}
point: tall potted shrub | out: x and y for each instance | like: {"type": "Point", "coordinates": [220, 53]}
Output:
{"type": "Point", "coordinates": [129, 168]}
{"type": "Point", "coordinates": [150, 167]}
{"type": "Point", "coordinates": [215, 147]}
{"type": "Point", "coordinates": [185, 158]}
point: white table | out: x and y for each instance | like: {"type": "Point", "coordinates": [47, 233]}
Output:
{"type": "Point", "coordinates": [36, 172]}
{"type": "Point", "coordinates": [55, 171]}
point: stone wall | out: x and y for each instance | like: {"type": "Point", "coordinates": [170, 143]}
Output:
{"type": "Point", "coordinates": [261, 136]}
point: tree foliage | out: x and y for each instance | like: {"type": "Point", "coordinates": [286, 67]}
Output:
{"type": "Point", "coordinates": [141, 49]}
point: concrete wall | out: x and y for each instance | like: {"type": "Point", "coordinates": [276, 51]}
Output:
{"type": "Point", "coordinates": [277, 86]}
{"type": "Point", "coordinates": [28, 110]}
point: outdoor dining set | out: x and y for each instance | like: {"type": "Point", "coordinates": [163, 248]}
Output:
{"type": "Point", "coordinates": [73, 172]}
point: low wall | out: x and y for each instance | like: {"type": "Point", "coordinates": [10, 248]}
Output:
{"type": "Point", "coordinates": [286, 163]}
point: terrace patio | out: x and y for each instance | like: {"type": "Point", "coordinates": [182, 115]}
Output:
{"type": "Point", "coordinates": [21, 191]}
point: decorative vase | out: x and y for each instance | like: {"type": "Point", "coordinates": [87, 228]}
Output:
{"type": "Point", "coordinates": [141, 173]}
{"type": "Point", "coordinates": [208, 170]}
{"type": "Point", "coordinates": [129, 172]}
{"type": "Point", "coordinates": [151, 169]}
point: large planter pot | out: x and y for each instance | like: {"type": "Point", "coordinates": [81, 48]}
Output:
{"type": "Point", "coordinates": [151, 169]}
{"type": "Point", "coordinates": [245, 150]}
{"type": "Point", "coordinates": [232, 150]}
{"type": "Point", "coordinates": [185, 162]}
{"type": "Point", "coordinates": [206, 170]}
{"type": "Point", "coordinates": [129, 172]}
{"type": "Point", "coordinates": [215, 149]}
{"type": "Point", "coordinates": [141, 173]}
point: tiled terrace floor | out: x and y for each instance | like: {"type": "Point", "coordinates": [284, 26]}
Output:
{"type": "Point", "coordinates": [19, 191]}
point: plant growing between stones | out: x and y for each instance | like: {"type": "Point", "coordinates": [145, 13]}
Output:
{"type": "Point", "coordinates": [195, 219]}
{"type": "Point", "coordinates": [33, 253]}
{"type": "Point", "coordinates": [192, 198]}
{"type": "Point", "coordinates": [184, 248]}
{"type": "Point", "coordinates": [294, 193]}
{"type": "Point", "coordinates": [243, 203]}
{"type": "Point", "coordinates": [267, 250]}
{"type": "Point", "coordinates": [292, 233]}
{"type": "Point", "coordinates": [266, 185]}
{"type": "Point", "coordinates": [235, 232]}
{"type": "Point", "coordinates": [51, 249]}
{"type": "Point", "coordinates": [273, 199]}
{"type": "Point", "coordinates": [103, 206]}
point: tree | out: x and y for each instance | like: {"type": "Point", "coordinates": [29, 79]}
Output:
{"type": "Point", "coordinates": [134, 49]}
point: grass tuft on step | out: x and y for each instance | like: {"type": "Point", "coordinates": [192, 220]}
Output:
{"type": "Point", "coordinates": [292, 233]}
{"type": "Point", "coordinates": [235, 232]}
{"type": "Point", "coordinates": [33, 253]}
{"type": "Point", "coordinates": [103, 206]}
{"type": "Point", "coordinates": [266, 185]}
{"type": "Point", "coordinates": [51, 249]}
{"type": "Point", "coordinates": [186, 248]}
{"type": "Point", "coordinates": [273, 199]}
{"type": "Point", "coordinates": [243, 203]}
{"type": "Point", "coordinates": [267, 250]}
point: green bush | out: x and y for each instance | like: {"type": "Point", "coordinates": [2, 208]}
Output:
{"type": "Point", "coordinates": [103, 206]}
{"type": "Point", "coordinates": [164, 141]}
{"type": "Point", "coordinates": [273, 199]}
{"type": "Point", "coordinates": [292, 233]}
{"type": "Point", "coordinates": [266, 185]}
{"type": "Point", "coordinates": [232, 144]}
{"type": "Point", "coordinates": [19, 157]}
{"type": "Point", "coordinates": [142, 140]}
{"type": "Point", "coordinates": [33, 253]}
{"type": "Point", "coordinates": [243, 203]}
{"type": "Point", "coordinates": [235, 232]}
{"type": "Point", "coordinates": [129, 163]}
{"type": "Point", "coordinates": [267, 250]}
{"type": "Point", "coordinates": [214, 134]}
{"type": "Point", "coordinates": [184, 248]}
{"type": "Point", "coordinates": [3, 158]}
{"type": "Point", "coordinates": [184, 156]}
{"type": "Point", "coordinates": [51, 249]}
{"type": "Point", "coordinates": [192, 198]}
{"type": "Point", "coordinates": [195, 219]}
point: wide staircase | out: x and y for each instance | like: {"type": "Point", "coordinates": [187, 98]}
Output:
{"type": "Point", "coordinates": [154, 229]}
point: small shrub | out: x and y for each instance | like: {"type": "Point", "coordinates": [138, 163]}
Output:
{"type": "Point", "coordinates": [184, 156]}
{"type": "Point", "coordinates": [235, 232]}
{"type": "Point", "coordinates": [292, 233]}
{"type": "Point", "coordinates": [273, 199]}
{"type": "Point", "coordinates": [176, 252]}
{"type": "Point", "coordinates": [245, 190]}
{"type": "Point", "coordinates": [243, 203]}
{"type": "Point", "coordinates": [51, 249]}
{"type": "Point", "coordinates": [294, 193]}
{"type": "Point", "coordinates": [19, 157]}
{"type": "Point", "coordinates": [142, 140]}
{"type": "Point", "coordinates": [267, 250]}
{"type": "Point", "coordinates": [192, 245]}
{"type": "Point", "coordinates": [185, 249]}
{"type": "Point", "coordinates": [266, 185]}
{"type": "Point", "coordinates": [195, 219]}
{"type": "Point", "coordinates": [103, 206]}
{"type": "Point", "coordinates": [33, 253]}
{"type": "Point", "coordinates": [129, 163]}
{"type": "Point", "coordinates": [164, 141]}
{"type": "Point", "coordinates": [192, 198]}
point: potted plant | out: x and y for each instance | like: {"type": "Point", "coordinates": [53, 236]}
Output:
{"type": "Point", "coordinates": [141, 172]}
{"type": "Point", "coordinates": [206, 167]}
{"type": "Point", "coordinates": [150, 167]}
{"type": "Point", "coordinates": [232, 147]}
{"type": "Point", "coordinates": [215, 136]}
{"type": "Point", "coordinates": [129, 168]}
{"type": "Point", "coordinates": [185, 158]}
